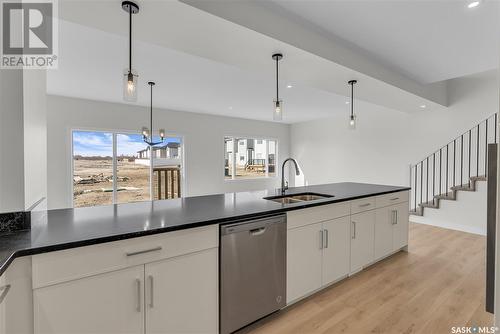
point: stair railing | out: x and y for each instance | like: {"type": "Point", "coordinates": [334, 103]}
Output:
{"type": "Point", "coordinates": [453, 165]}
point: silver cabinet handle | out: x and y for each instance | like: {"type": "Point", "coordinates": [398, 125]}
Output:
{"type": "Point", "coordinates": [394, 198]}
{"type": "Point", "coordinates": [364, 205]}
{"type": "Point", "coordinates": [138, 284]}
{"type": "Point", "coordinates": [353, 230]}
{"type": "Point", "coordinates": [144, 251]}
{"type": "Point", "coordinates": [5, 290]}
{"type": "Point", "coordinates": [321, 239]}
{"type": "Point", "coordinates": [326, 238]}
{"type": "Point", "coordinates": [151, 291]}
{"type": "Point", "coordinates": [394, 217]}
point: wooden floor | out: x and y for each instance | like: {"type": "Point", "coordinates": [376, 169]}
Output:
{"type": "Point", "coordinates": [438, 284]}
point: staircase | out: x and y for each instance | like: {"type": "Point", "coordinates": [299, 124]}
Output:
{"type": "Point", "coordinates": [456, 166]}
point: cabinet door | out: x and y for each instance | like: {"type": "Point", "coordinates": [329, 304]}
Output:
{"type": "Point", "coordinates": [400, 231]}
{"type": "Point", "coordinates": [304, 261]}
{"type": "Point", "coordinates": [182, 294]}
{"type": "Point", "coordinates": [384, 222]}
{"type": "Point", "coordinates": [105, 303]}
{"type": "Point", "coordinates": [336, 248]}
{"type": "Point", "coordinates": [16, 298]}
{"type": "Point", "coordinates": [362, 239]}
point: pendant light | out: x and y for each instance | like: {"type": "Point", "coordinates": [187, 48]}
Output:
{"type": "Point", "coordinates": [278, 104]}
{"type": "Point", "coordinates": [130, 76]}
{"type": "Point", "coordinates": [147, 134]}
{"type": "Point", "coordinates": [352, 118]}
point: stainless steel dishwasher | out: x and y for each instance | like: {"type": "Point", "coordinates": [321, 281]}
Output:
{"type": "Point", "coordinates": [252, 271]}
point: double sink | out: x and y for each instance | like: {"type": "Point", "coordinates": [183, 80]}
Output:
{"type": "Point", "coordinates": [297, 198]}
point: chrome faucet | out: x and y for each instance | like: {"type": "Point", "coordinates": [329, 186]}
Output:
{"type": "Point", "coordinates": [284, 184]}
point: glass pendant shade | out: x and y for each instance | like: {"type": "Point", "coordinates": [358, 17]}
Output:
{"type": "Point", "coordinates": [162, 134]}
{"type": "Point", "coordinates": [352, 122]}
{"type": "Point", "coordinates": [130, 81]}
{"type": "Point", "coordinates": [278, 110]}
{"type": "Point", "coordinates": [145, 132]}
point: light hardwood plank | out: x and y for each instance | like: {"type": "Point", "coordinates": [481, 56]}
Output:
{"type": "Point", "coordinates": [438, 284]}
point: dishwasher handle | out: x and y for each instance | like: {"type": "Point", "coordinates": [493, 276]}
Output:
{"type": "Point", "coordinates": [258, 231]}
{"type": "Point", "coordinates": [254, 227]}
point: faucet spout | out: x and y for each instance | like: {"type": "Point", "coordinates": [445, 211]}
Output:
{"type": "Point", "coordinates": [284, 183]}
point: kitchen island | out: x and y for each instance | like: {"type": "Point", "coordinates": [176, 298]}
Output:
{"type": "Point", "coordinates": [93, 254]}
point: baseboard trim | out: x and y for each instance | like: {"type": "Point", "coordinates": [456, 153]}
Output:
{"type": "Point", "coordinates": [455, 227]}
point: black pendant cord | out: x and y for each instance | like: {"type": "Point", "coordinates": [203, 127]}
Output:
{"type": "Point", "coordinates": [277, 81]}
{"type": "Point", "coordinates": [151, 115]}
{"type": "Point", "coordinates": [130, 40]}
{"type": "Point", "coordinates": [352, 82]}
{"type": "Point", "coordinates": [352, 100]}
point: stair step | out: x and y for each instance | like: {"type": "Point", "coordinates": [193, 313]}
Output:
{"type": "Point", "coordinates": [431, 205]}
{"type": "Point", "coordinates": [479, 178]}
{"type": "Point", "coordinates": [416, 212]}
{"type": "Point", "coordinates": [448, 196]}
{"type": "Point", "coordinates": [463, 188]}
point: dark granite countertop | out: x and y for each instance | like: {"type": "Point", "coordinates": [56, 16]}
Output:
{"type": "Point", "coordinates": [54, 230]}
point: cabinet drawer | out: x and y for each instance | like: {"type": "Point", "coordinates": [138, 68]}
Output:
{"type": "Point", "coordinates": [391, 199]}
{"type": "Point", "coordinates": [56, 267]}
{"type": "Point", "coordinates": [316, 214]}
{"type": "Point", "coordinates": [363, 204]}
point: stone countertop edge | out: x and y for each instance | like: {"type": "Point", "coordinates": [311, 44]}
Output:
{"type": "Point", "coordinates": [38, 240]}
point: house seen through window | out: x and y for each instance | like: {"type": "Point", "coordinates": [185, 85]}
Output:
{"type": "Point", "coordinates": [249, 158]}
{"type": "Point", "coordinates": [115, 168]}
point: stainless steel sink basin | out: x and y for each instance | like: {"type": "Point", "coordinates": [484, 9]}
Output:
{"type": "Point", "coordinates": [309, 197]}
{"type": "Point", "coordinates": [297, 198]}
{"type": "Point", "coordinates": [284, 200]}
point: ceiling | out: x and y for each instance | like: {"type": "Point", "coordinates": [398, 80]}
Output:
{"type": "Point", "coordinates": [207, 64]}
{"type": "Point", "coordinates": [428, 41]}
{"type": "Point", "coordinates": [91, 63]}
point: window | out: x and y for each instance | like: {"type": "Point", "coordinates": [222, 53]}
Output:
{"type": "Point", "coordinates": [115, 168]}
{"type": "Point", "coordinates": [249, 158]}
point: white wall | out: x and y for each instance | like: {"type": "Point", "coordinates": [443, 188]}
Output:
{"type": "Point", "coordinates": [11, 141]}
{"type": "Point", "coordinates": [23, 139]}
{"type": "Point", "coordinates": [376, 152]}
{"type": "Point", "coordinates": [203, 142]}
{"type": "Point", "coordinates": [387, 141]}
{"type": "Point", "coordinates": [472, 99]}
{"type": "Point", "coordinates": [35, 137]}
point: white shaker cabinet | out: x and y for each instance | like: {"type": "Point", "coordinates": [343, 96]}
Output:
{"type": "Point", "coordinates": [107, 303]}
{"type": "Point", "coordinates": [182, 293]}
{"type": "Point", "coordinates": [362, 239]}
{"type": "Point", "coordinates": [16, 298]}
{"type": "Point", "coordinates": [317, 255]}
{"type": "Point", "coordinates": [391, 229]}
{"type": "Point", "coordinates": [336, 248]}
{"type": "Point", "coordinates": [401, 224]}
{"type": "Point", "coordinates": [304, 261]}
{"type": "Point", "coordinates": [165, 283]}
{"type": "Point", "coordinates": [384, 231]}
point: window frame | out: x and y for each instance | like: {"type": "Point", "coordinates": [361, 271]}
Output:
{"type": "Point", "coordinates": [264, 177]}
{"type": "Point", "coordinates": [114, 133]}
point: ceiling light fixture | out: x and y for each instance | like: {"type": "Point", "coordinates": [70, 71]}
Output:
{"type": "Point", "coordinates": [289, 86]}
{"type": "Point", "coordinates": [147, 134]}
{"type": "Point", "coordinates": [473, 4]}
{"type": "Point", "coordinates": [278, 104]}
{"type": "Point", "coordinates": [130, 76]}
{"type": "Point", "coordinates": [352, 117]}
{"type": "Point", "coordinates": [423, 106]}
